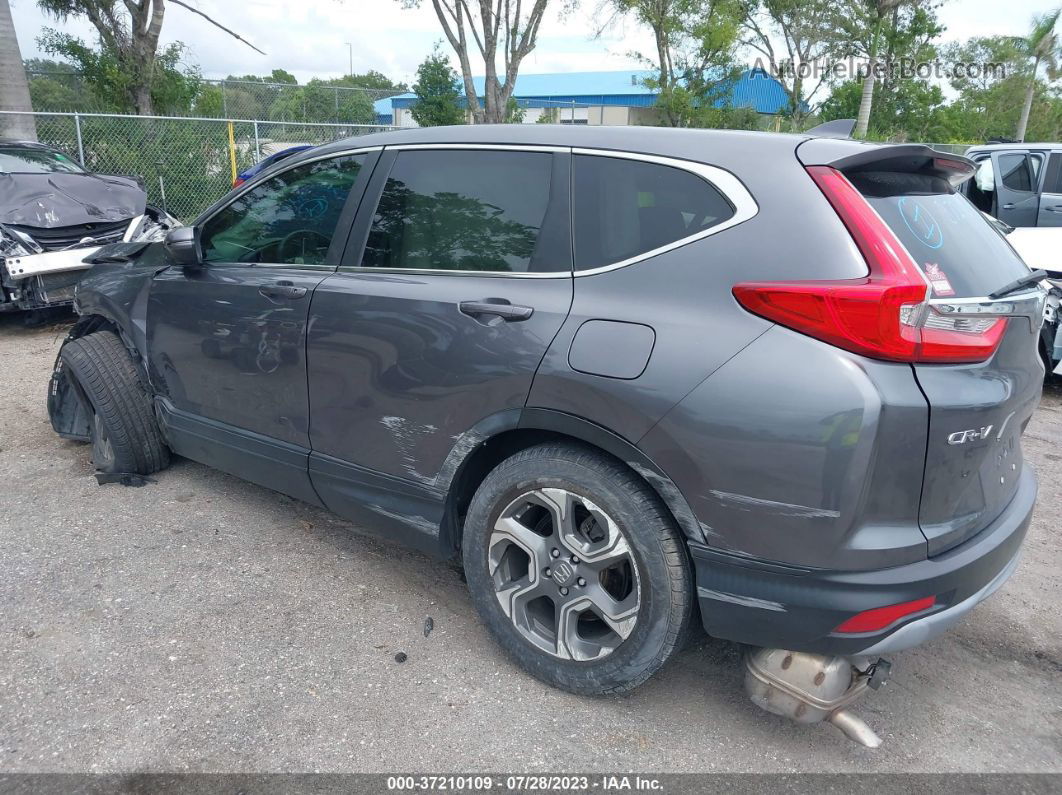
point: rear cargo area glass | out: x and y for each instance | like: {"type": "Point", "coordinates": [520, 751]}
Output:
{"type": "Point", "coordinates": [962, 255]}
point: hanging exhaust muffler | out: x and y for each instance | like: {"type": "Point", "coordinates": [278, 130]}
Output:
{"type": "Point", "coordinates": [811, 688]}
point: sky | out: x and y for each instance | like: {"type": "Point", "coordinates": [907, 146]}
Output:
{"type": "Point", "coordinates": [309, 38]}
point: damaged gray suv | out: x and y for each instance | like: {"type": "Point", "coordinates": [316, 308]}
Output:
{"type": "Point", "coordinates": [620, 373]}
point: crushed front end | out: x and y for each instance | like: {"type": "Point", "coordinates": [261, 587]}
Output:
{"type": "Point", "coordinates": [40, 267]}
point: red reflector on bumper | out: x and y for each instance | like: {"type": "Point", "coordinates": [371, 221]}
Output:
{"type": "Point", "coordinates": [881, 617]}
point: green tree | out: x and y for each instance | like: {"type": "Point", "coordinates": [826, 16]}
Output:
{"type": "Point", "coordinates": [171, 90]}
{"type": "Point", "coordinates": [128, 33]}
{"type": "Point", "coordinates": [694, 55]}
{"type": "Point", "coordinates": [905, 106]}
{"type": "Point", "coordinates": [794, 36]}
{"type": "Point", "coordinates": [1041, 46]}
{"type": "Point", "coordinates": [438, 95]}
{"type": "Point", "coordinates": [989, 101]}
{"type": "Point", "coordinates": [493, 28]}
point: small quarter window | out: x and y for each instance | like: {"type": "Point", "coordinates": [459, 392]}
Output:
{"type": "Point", "coordinates": [624, 208]}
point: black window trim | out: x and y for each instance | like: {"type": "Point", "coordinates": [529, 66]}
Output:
{"type": "Point", "coordinates": [346, 215]}
{"type": "Point", "coordinates": [355, 248]}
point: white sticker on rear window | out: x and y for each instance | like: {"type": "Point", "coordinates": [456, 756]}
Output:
{"type": "Point", "coordinates": [938, 280]}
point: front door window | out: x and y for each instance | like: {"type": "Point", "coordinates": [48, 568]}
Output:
{"type": "Point", "coordinates": [287, 220]}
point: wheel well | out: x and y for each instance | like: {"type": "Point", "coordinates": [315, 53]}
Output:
{"type": "Point", "coordinates": [89, 324]}
{"type": "Point", "coordinates": [67, 406]}
{"type": "Point", "coordinates": [486, 457]}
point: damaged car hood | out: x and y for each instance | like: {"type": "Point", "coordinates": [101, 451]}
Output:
{"type": "Point", "coordinates": [49, 201]}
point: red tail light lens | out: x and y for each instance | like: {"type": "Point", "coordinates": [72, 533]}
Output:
{"type": "Point", "coordinates": [882, 617]}
{"type": "Point", "coordinates": [884, 315]}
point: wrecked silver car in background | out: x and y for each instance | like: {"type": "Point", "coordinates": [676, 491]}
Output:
{"type": "Point", "coordinates": [53, 214]}
{"type": "Point", "coordinates": [1041, 249]}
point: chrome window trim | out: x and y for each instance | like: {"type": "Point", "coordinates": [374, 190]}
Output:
{"type": "Point", "coordinates": [253, 183]}
{"type": "Point", "coordinates": [444, 272]}
{"type": "Point", "coordinates": [745, 206]}
{"type": "Point", "coordinates": [500, 147]}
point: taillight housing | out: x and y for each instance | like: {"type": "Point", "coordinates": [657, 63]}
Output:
{"type": "Point", "coordinates": [884, 315]}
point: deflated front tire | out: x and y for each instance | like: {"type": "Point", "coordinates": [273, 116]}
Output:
{"type": "Point", "coordinates": [122, 427]}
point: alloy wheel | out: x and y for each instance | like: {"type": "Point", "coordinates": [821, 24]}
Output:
{"type": "Point", "coordinates": [564, 574]}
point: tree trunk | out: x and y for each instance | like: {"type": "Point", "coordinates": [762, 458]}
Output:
{"type": "Point", "coordinates": [1026, 109]}
{"type": "Point", "coordinates": [866, 101]}
{"type": "Point", "coordinates": [14, 88]}
{"type": "Point", "coordinates": [142, 100]}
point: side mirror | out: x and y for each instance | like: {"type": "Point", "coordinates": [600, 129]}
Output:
{"type": "Point", "coordinates": [182, 244]}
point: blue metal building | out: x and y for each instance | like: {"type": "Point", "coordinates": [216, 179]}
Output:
{"type": "Point", "coordinates": [605, 97]}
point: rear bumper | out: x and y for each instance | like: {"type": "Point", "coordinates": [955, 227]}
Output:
{"type": "Point", "coordinates": [768, 604]}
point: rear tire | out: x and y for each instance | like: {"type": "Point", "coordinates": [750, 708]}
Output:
{"type": "Point", "coordinates": [577, 569]}
{"type": "Point", "coordinates": [125, 435]}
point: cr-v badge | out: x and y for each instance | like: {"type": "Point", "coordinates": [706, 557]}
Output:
{"type": "Point", "coordinates": [962, 437]}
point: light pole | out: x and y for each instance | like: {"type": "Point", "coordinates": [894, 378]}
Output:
{"type": "Point", "coordinates": [350, 53]}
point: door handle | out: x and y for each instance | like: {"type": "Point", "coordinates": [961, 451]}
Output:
{"type": "Point", "coordinates": [1008, 206]}
{"type": "Point", "coordinates": [282, 290]}
{"type": "Point", "coordinates": [498, 307]}
{"type": "Point", "coordinates": [1056, 209]}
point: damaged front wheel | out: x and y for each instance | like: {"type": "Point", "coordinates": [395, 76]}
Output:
{"type": "Point", "coordinates": [124, 433]}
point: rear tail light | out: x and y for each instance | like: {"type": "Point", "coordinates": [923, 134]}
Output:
{"type": "Point", "coordinates": [882, 617]}
{"type": "Point", "coordinates": [884, 315]}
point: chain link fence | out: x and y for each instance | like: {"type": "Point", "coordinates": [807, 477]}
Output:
{"type": "Point", "coordinates": [186, 163]}
{"type": "Point", "coordinates": [316, 101]}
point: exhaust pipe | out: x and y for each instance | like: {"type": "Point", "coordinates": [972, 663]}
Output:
{"type": "Point", "coordinates": [811, 688]}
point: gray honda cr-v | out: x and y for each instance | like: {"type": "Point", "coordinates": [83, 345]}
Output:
{"type": "Point", "coordinates": [618, 372]}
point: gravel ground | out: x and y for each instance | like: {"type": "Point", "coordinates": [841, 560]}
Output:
{"type": "Point", "coordinates": [201, 623]}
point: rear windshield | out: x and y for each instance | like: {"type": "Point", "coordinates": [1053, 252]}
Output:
{"type": "Point", "coordinates": [26, 160]}
{"type": "Point", "coordinates": [961, 254]}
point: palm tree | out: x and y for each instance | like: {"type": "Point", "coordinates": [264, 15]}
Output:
{"type": "Point", "coordinates": [1042, 46]}
{"type": "Point", "coordinates": [14, 89]}
{"type": "Point", "coordinates": [877, 10]}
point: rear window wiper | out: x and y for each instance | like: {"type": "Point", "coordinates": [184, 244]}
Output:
{"type": "Point", "coordinates": [1025, 281]}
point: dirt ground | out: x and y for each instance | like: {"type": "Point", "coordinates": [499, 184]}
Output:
{"type": "Point", "coordinates": [201, 623]}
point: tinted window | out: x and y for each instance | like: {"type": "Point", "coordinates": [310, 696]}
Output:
{"type": "Point", "coordinates": [1015, 172]}
{"type": "Point", "coordinates": [463, 210]}
{"type": "Point", "coordinates": [1053, 181]}
{"type": "Point", "coordinates": [286, 220]}
{"type": "Point", "coordinates": [28, 160]}
{"type": "Point", "coordinates": [960, 252]}
{"type": "Point", "coordinates": [623, 208]}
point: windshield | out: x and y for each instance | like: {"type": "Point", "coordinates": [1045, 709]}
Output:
{"type": "Point", "coordinates": [27, 160]}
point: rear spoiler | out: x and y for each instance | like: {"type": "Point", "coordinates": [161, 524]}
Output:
{"type": "Point", "coordinates": [851, 157]}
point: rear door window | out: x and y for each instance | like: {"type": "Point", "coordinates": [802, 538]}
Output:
{"type": "Point", "coordinates": [625, 208]}
{"type": "Point", "coordinates": [467, 210]}
{"type": "Point", "coordinates": [1016, 172]}
{"type": "Point", "coordinates": [1053, 180]}
{"type": "Point", "coordinates": [957, 249]}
